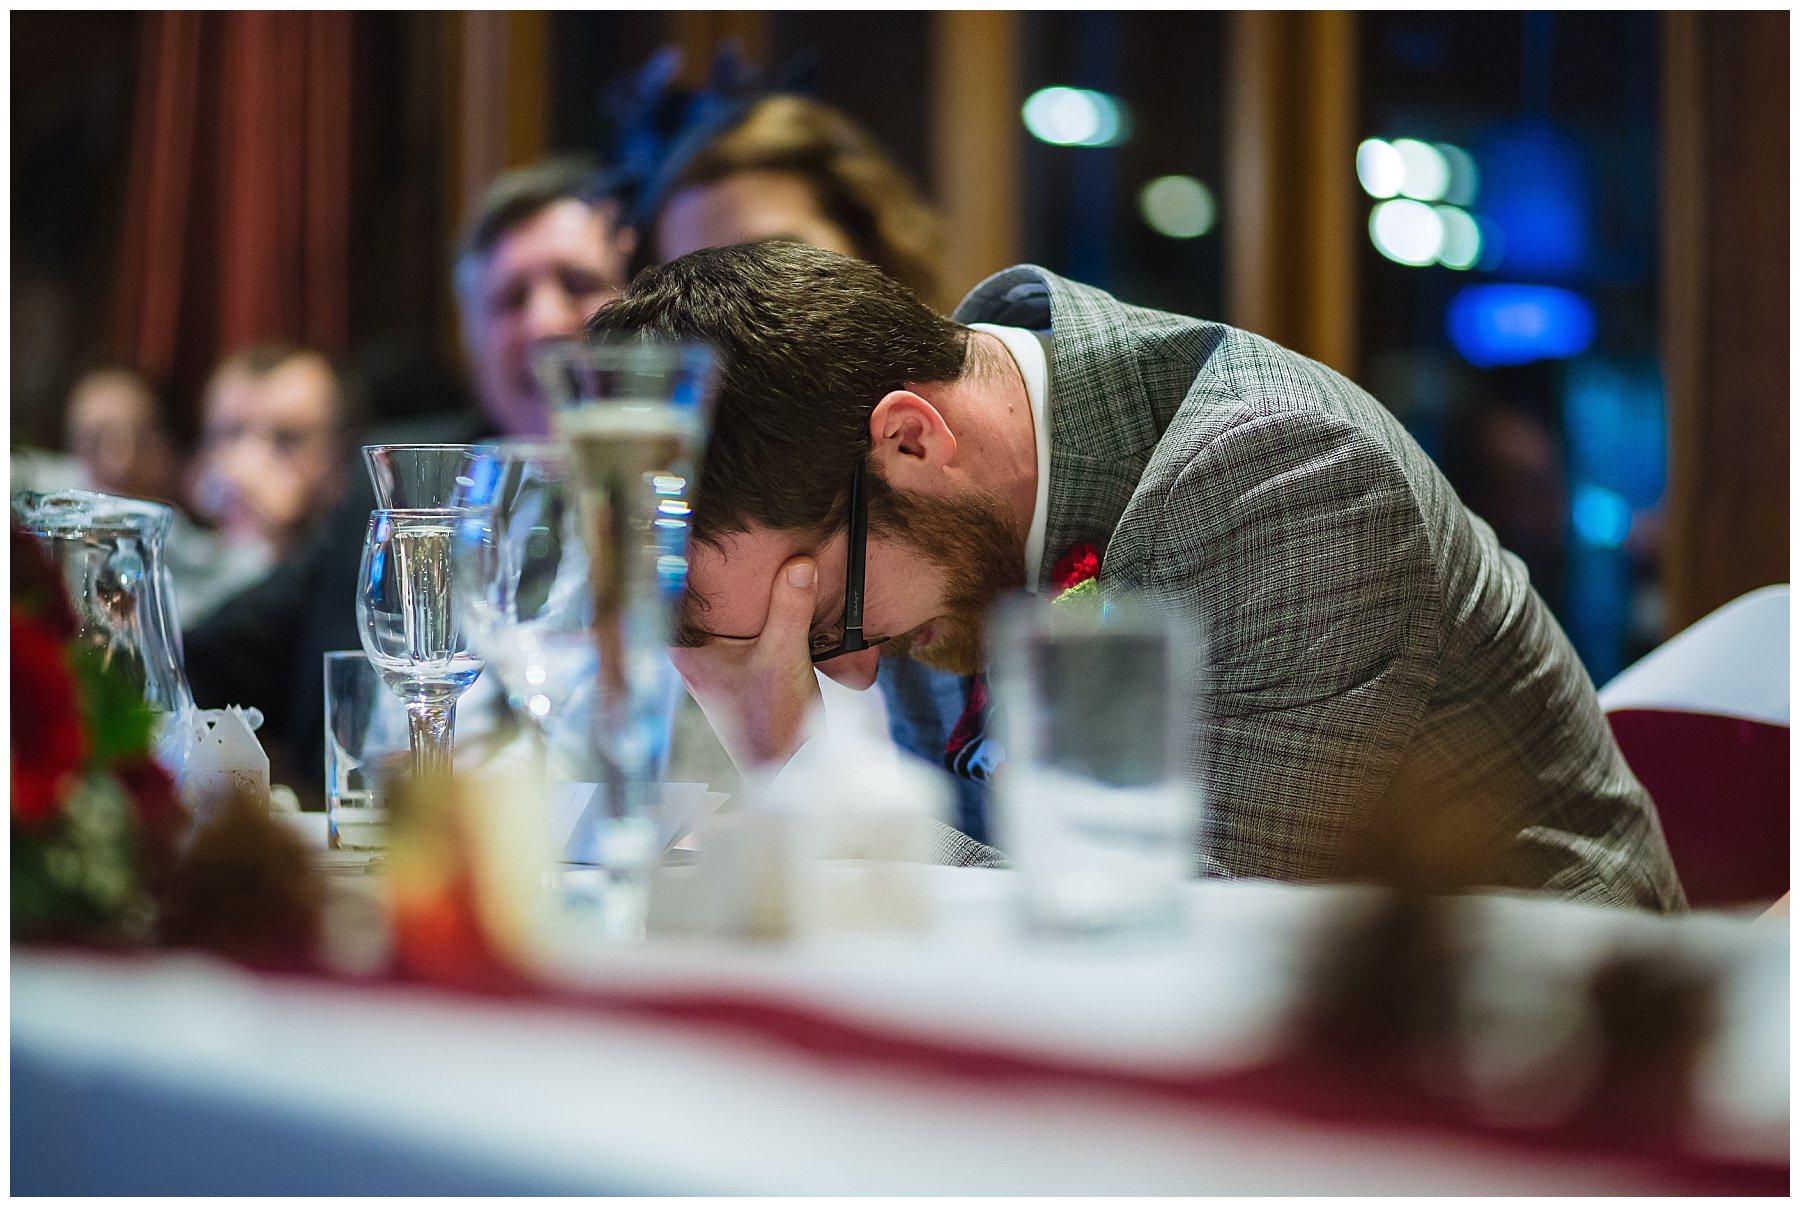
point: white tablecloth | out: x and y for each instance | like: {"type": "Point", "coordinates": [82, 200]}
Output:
{"type": "Point", "coordinates": [182, 1074]}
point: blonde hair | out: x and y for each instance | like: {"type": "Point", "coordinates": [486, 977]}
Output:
{"type": "Point", "coordinates": [856, 186]}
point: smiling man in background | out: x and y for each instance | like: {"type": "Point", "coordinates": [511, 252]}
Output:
{"type": "Point", "coordinates": [541, 255]}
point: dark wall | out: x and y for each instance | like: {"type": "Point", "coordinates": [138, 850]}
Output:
{"type": "Point", "coordinates": [73, 76]}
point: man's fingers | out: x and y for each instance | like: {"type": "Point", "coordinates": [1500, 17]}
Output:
{"type": "Point", "coordinates": [791, 605]}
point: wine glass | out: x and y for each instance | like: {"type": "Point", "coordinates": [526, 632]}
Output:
{"type": "Point", "coordinates": [522, 593]}
{"type": "Point", "coordinates": [631, 417]}
{"type": "Point", "coordinates": [408, 625]}
{"type": "Point", "coordinates": [418, 475]}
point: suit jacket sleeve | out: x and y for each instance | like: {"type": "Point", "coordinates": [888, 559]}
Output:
{"type": "Point", "coordinates": [1295, 542]}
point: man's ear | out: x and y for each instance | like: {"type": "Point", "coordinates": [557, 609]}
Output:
{"type": "Point", "coordinates": [912, 443]}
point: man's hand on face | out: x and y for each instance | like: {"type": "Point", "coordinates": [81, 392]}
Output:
{"type": "Point", "coordinates": [759, 693]}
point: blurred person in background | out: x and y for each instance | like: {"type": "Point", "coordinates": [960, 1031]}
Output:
{"type": "Point", "coordinates": [121, 442]}
{"type": "Point", "coordinates": [789, 167]}
{"type": "Point", "coordinates": [274, 449]}
{"type": "Point", "coordinates": [541, 252]}
{"type": "Point", "coordinates": [120, 437]}
{"type": "Point", "coordinates": [542, 255]}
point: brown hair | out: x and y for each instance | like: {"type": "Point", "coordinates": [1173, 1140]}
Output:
{"type": "Point", "coordinates": [809, 342]}
{"type": "Point", "coordinates": [855, 185]}
{"type": "Point", "coordinates": [259, 361]}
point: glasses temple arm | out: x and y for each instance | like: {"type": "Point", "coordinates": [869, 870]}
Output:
{"type": "Point", "coordinates": [853, 573]}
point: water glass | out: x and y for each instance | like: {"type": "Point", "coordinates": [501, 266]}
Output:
{"type": "Point", "coordinates": [365, 745]}
{"type": "Point", "coordinates": [1096, 800]}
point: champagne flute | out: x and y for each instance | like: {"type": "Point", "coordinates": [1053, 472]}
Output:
{"type": "Point", "coordinates": [418, 476]}
{"type": "Point", "coordinates": [408, 625]}
{"type": "Point", "coordinates": [632, 417]}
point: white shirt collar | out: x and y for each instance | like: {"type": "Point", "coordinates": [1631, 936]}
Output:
{"type": "Point", "coordinates": [1030, 351]}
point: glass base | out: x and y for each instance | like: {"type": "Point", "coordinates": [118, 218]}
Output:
{"type": "Point", "coordinates": [355, 824]}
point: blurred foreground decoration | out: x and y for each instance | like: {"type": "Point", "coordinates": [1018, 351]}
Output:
{"type": "Point", "coordinates": [103, 850]}
{"type": "Point", "coordinates": [1409, 1002]}
{"type": "Point", "coordinates": [1409, 997]}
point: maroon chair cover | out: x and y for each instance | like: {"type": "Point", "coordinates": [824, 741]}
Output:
{"type": "Point", "coordinates": [1721, 788]}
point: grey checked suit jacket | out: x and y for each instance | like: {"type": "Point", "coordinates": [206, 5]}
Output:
{"type": "Point", "coordinates": [1378, 665]}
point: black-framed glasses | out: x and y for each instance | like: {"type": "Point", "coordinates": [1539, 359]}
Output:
{"type": "Point", "coordinates": [851, 641]}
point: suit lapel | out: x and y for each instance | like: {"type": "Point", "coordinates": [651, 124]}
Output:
{"type": "Point", "coordinates": [1103, 424]}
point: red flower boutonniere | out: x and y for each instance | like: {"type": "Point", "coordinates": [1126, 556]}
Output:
{"type": "Point", "coordinates": [1075, 573]}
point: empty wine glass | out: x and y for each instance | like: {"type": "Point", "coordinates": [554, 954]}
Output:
{"type": "Point", "coordinates": [408, 625]}
{"type": "Point", "coordinates": [522, 593]}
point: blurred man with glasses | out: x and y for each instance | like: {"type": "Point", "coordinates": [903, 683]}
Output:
{"type": "Point", "coordinates": [1382, 680]}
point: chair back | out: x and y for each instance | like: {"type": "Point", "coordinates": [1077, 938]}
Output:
{"type": "Point", "coordinates": [1703, 722]}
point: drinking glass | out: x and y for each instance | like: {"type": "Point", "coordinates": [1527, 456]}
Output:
{"type": "Point", "coordinates": [631, 417]}
{"type": "Point", "coordinates": [108, 551]}
{"type": "Point", "coordinates": [408, 625]}
{"type": "Point", "coordinates": [365, 737]}
{"type": "Point", "coordinates": [418, 476]}
{"type": "Point", "coordinates": [1097, 799]}
{"type": "Point", "coordinates": [522, 594]}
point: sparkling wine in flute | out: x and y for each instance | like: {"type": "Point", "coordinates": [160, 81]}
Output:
{"type": "Point", "coordinates": [433, 656]}
{"type": "Point", "coordinates": [630, 463]}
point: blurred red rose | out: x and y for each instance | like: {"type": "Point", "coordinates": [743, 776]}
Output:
{"type": "Point", "coordinates": [47, 740]}
{"type": "Point", "coordinates": [38, 589]}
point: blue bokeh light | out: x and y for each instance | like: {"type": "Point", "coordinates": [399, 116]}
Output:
{"type": "Point", "coordinates": [1493, 325]}
{"type": "Point", "coordinates": [1602, 517]}
{"type": "Point", "coordinates": [1535, 190]}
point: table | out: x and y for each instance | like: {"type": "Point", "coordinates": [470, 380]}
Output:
{"type": "Point", "coordinates": [178, 1073]}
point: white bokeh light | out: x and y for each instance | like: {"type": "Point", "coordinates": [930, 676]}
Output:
{"type": "Point", "coordinates": [1178, 206]}
{"type": "Point", "coordinates": [1464, 182]}
{"type": "Point", "coordinates": [1462, 238]}
{"type": "Point", "coordinates": [1407, 232]}
{"type": "Point", "coordinates": [1075, 117]}
{"type": "Point", "coordinates": [1379, 168]}
{"type": "Point", "coordinates": [1425, 175]}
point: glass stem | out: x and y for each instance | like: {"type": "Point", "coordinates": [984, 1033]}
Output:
{"type": "Point", "coordinates": [430, 725]}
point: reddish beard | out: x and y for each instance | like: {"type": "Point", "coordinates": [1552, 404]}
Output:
{"type": "Point", "coordinates": [982, 558]}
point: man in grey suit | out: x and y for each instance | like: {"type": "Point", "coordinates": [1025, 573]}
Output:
{"type": "Point", "coordinates": [1383, 683]}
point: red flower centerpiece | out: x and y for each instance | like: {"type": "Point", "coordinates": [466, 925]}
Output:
{"type": "Point", "coordinates": [94, 817]}
{"type": "Point", "coordinates": [48, 744]}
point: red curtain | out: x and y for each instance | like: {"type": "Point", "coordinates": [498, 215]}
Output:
{"type": "Point", "coordinates": [237, 208]}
